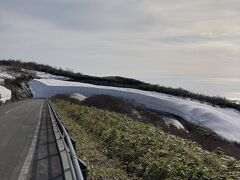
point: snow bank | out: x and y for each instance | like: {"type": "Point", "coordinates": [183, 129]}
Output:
{"type": "Point", "coordinates": [78, 96]}
{"type": "Point", "coordinates": [173, 122]}
{"type": "Point", "coordinates": [44, 75]}
{"type": "Point", "coordinates": [5, 94]}
{"type": "Point", "coordinates": [224, 121]}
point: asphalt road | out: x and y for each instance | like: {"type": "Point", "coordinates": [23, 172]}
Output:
{"type": "Point", "coordinates": [18, 125]}
{"type": "Point", "coordinates": [46, 162]}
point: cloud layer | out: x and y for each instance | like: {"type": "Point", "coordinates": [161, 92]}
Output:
{"type": "Point", "coordinates": [125, 37]}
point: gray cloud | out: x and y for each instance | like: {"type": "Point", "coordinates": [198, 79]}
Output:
{"type": "Point", "coordinates": [85, 14]}
{"type": "Point", "coordinates": [124, 37]}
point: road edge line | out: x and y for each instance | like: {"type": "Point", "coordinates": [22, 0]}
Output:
{"type": "Point", "coordinates": [27, 163]}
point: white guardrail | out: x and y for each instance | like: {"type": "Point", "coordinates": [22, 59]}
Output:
{"type": "Point", "coordinates": [78, 168]}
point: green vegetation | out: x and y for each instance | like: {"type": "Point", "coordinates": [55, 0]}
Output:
{"type": "Point", "coordinates": [205, 137]}
{"type": "Point", "coordinates": [119, 82]}
{"type": "Point", "coordinates": [139, 149]}
{"type": "Point", "coordinates": [89, 149]}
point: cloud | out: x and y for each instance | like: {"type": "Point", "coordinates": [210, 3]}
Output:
{"type": "Point", "coordinates": [89, 15]}
{"type": "Point", "coordinates": [124, 37]}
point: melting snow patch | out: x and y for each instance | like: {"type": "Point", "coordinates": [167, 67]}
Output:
{"type": "Point", "coordinates": [78, 96]}
{"type": "Point", "coordinates": [224, 121]}
{"type": "Point", "coordinates": [5, 94]}
{"type": "Point", "coordinates": [173, 122]}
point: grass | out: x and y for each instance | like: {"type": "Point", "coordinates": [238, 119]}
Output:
{"type": "Point", "coordinates": [90, 151]}
{"type": "Point", "coordinates": [138, 149]}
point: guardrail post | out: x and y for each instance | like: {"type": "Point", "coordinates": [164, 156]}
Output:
{"type": "Point", "coordinates": [83, 168]}
{"type": "Point", "coordinates": [73, 143]}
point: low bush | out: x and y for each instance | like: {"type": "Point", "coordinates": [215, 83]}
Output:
{"type": "Point", "coordinates": [89, 149]}
{"type": "Point", "coordinates": [109, 103]}
{"type": "Point", "coordinates": [146, 151]}
{"type": "Point", "coordinates": [205, 137]}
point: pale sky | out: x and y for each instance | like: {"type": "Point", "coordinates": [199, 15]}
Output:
{"type": "Point", "coordinates": [125, 37]}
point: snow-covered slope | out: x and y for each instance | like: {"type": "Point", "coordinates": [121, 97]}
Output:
{"type": "Point", "coordinates": [5, 94]}
{"type": "Point", "coordinates": [224, 121]}
{"type": "Point", "coordinates": [44, 75]}
{"type": "Point", "coordinates": [7, 73]}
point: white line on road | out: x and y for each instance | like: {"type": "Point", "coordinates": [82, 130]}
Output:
{"type": "Point", "coordinates": [27, 163]}
{"type": "Point", "coordinates": [12, 109]}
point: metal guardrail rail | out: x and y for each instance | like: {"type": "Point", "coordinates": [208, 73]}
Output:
{"type": "Point", "coordinates": [78, 168]}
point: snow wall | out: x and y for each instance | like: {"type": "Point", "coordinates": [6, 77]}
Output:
{"type": "Point", "coordinates": [224, 121]}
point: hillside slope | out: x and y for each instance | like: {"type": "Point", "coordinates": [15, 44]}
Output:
{"type": "Point", "coordinates": [15, 79]}
{"type": "Point", "coordinates": [224, 121]}
{"type": "Point", "coordinates": [143, 150]}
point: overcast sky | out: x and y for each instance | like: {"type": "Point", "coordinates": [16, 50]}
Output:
{"type": "Point", "coordinates": [125, 37]}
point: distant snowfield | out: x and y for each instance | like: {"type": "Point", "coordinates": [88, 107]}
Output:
{"type": "Point", "coordinates": [5, 94]}
{"type": "Point", "coordinates": [8, 73]}
{"type": "Point", "coordinates": [44, 75]}
{"type": "Point", "coordinates": [224, 121]}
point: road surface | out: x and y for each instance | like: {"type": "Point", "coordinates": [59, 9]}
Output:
{"type": "Point", "coordinates": [26, 136]}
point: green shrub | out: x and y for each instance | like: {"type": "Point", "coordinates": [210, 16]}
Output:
{"type": "Point", "coordinates": [146, 151]}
